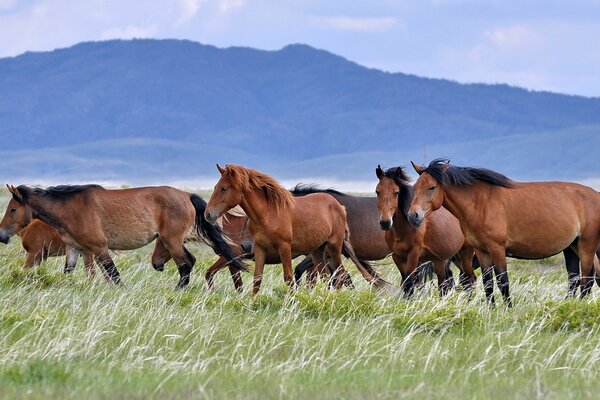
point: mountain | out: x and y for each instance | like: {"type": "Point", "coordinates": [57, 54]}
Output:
{"type": "Point", "coordinates": [148, 111]}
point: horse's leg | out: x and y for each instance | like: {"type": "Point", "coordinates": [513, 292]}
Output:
{"type": "Point", "coordinates": [572, 264]}
{"type": "Point", "coordinates": [71, 259]}
{"type": "Point", "coordinates": [338, 271]}
{"type": "Point", "coordinates": [236, 277]}
{"type": "Point", "coordinates": [444, 284]}
{"type": "Point", "coordinates": [285, 255]}
{"type": "Point", "coordinates": [103, 259]}
{"type": "Point", "coordinates": [301, 268]}
{"type": "Point", "coordinates": [317, 262]}
{"type": "Point", "coordinates": [216, 267]}
{"type": "Point", "coordinates": [467, 276]}
{"type": "Point", "coordinates": [183, 258]}
{"type": "Point", "coordinates": [412, 260]}
{"type": "Point", "coordinates": [260, 255]}
{"type": "Point", "coordinates": [498, 254]}
{"type": "Point", "coordinates": [401, 265]}
{"type": "Point", "coordinates": [160, 256]}
{"type": "Point", "coordinates": [88, 260]}
{"type": "Point", "coordinates": [487, 275]}
{"type": "Point", "coordinates": [33, 258]}
{"type": "Point", "coordinates": [586, 250]}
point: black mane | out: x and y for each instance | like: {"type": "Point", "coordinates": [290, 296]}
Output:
{"type": "Point", "coordinates": [453, 175]}
{"type": "Point", "coordinates": [304, 189]}
{"type": "Point", "coordinates": [399, 176]}
{"type": "Point", "coordinates": [60, 192]}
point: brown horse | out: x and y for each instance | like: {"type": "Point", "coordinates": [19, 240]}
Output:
{"type": "Point", "coordinates": [39, 239]}
{"type": "Point", "coordinates": [366, 237]}
{"type": "Point", "coordinates": [500, 216]}
{"type": "Point", "coordinates": [437, 239]}
{"type": "Point", "coordinates": [281, 224]}
{"type": "Point", "coordinates": [91, 218]}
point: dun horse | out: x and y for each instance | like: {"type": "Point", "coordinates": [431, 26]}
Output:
{"type": "Point", "coordinates": [39, 239]}
{"type": "Point", "coordinates": [500, 216]}
{"type": "Point", "coordinates": [91, 218]}
{"type": "Point", "coordinates": [281, 224]}
{"type": "Point", "coordinates": [437, 239]}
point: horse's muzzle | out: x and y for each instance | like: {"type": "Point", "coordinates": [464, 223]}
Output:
{"type": "Point", "coordinates": [385, 224]}
{"type": "Point", "coordinates": [4, 236]}
{"type": "Point", "coordinates": [247, 247]}
{"type": "Point", "coordinates": [416, 219]}
{"type": "Point", "coordinates": [211, 218]}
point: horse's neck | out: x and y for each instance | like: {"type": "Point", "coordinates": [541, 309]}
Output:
{"type": "Point", "coordinates": [254, 204]}
{"type": "Point", "coordinates": [460, 200]}
{"type": "Point", "coordinates": [49, 211]}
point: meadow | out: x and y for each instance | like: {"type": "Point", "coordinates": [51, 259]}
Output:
{"type": "Point", "coordinates": [68, 337]}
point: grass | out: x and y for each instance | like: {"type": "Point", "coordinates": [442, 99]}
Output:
{"type": "Point", "coordinates": [66, 337]}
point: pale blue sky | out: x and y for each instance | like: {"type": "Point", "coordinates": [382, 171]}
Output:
{"type": "Point", "coordinates": [544, 45]}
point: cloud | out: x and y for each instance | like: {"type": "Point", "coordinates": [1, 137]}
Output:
{"type": "Point", "coordinates": [226, 6]}
{"type": "Point", "coordinates": [128, 32]}
{"type": "Point", "coordinates": [7, 4]}
{"type": "Point", "coordinates": [356, 24]}
{"type": "Point", "coordinates": [189, 9]}
{"type": "Point", "coordinates": [513, 37]}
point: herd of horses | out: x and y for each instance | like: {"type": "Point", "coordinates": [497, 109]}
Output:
{"type": "Point", "coordinates": [473, 217]}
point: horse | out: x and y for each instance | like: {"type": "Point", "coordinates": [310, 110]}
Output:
{"type": "Point", "coordinates": [284, 225]}
{"type": "Point", "coordinates": [39, 239]}
{"type": "Point", "coordinates": [499, 216]}
{"type": "Point", "coordinates": [437, 239]}
{"type": "Point", "coordinates": [91, 218]}
{"type": "Point", "coordinates": [366, 237]}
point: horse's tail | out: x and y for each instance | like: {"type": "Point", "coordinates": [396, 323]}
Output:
{"type": "Point", "coordinates": [364, 267]}
{"type": "Point", "coordinates": [301, 268]}
{"type": "Point", "coordinates": [213, 235]}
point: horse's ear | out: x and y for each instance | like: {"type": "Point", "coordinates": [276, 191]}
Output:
{"type": "Point", "coordinates": [419, 168]}
{"type": "Point", "coordinates": [379, 172]}
{"type": "Point", "coordinates": [16, 194]}
{"type": "Point", "coordinates": [221, 169]}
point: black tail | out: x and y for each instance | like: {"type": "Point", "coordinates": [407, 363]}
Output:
{"type": "Point", "coordinates": [301, 268]}
{"type": "Point", "coordinates": [213, 234]}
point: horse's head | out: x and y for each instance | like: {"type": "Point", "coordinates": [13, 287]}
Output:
{"type": "Point", "coordinates": [16, 217]}
{"type": "Point", "coordinates": [393, 191]}
{"type": "Point", "coordinates": [428, 196]}
{"type": "Point", "coordinates": [224, 197]}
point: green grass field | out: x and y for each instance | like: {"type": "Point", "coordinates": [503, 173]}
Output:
{"type": "Point", "coordinates": [66, 337]}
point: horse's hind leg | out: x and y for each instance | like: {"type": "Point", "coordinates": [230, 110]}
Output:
{"type": "Point", "coordinates": [90, 268]}
{"type": "Point", "coordinates": [160, 256]}
{"type": "Point", "coordinates": [572, 264]}
{"type": "Point", "coordinates": [339, 272]}
{"type": "Point", "coordinates": [108, 266]}
{"type": "Point", "coordinates": [219, 265]}
{"type": "Point", "coordinates": [183, 258]}
{"type": "Point", "coordinates": [467, 276]}
{"type": "Point", "coordinates": [445, 283]}
{"type": "Point", "coordinates": [586, 250]}
{"type": "Point", "coordinates": [305, 265]}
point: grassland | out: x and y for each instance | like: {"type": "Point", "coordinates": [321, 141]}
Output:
{"type": "Point", "coordinates": [66, 337]}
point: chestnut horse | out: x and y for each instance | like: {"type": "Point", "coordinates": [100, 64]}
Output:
{"type": "Point", "coordinates": [39, 239]}
{"type": "Point", "coordinates": [282, 224]}
{"type": "Point", "coordinates": [366, 237]}
{"type": "Point", "coordinates": [437, 239]}
{"type": "Point", "coordinates": [91, 218]}
{"type": "Point", "coordinates": [500, 216]}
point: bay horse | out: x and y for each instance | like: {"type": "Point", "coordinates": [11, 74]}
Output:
{"type": "Point", "coordinates": [366, 237]}
{"type": "Point", "coordinates": [284, 225]}
{"type": "Point", "coordinates": [39, 239]}
{"type": "Point", "coordinates": [91, 218]}
{"type": "Point", "coordinates": [499, 216]}
{"type": "Point", "coordinates": [437, 239]}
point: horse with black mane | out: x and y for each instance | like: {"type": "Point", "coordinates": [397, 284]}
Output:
{"type": "Point", "coordinates": [499, 216]}
{"type": "Point", "coordinates": [93, 219]}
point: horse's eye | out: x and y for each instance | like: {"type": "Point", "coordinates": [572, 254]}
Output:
{"type": "Point", "coordinates": [377, 192]}
{"type": "Point", "coordinates": [396, 193]}
{"type": "Point", "coordinates": [223, 189]}
{"type": "Point", "coordinates": [13, 210]}
{"type": "Point", "coordinates": [431, 189]}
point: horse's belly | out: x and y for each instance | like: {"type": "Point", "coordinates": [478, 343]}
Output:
{"type": "Point", "coordinates": [133, 242]}
{"type": "Point", "coordinates": [539, 248]}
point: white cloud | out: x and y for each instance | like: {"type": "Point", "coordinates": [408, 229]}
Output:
{"type": "Point", "coordinates": [513, 37]}
{"type": "Point", "coordinates": [342, 23]}
{"type": "Point", "coordinates": [189, 9]}
{"type": "Point", "coordinates": [7, 4]}
{"type": "Point", "coordinates": [128, 32]}
{"type": "Point", "coordinates": [226, 6]}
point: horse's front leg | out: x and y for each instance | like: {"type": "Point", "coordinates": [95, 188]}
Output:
{"type": "Point", "coordinates": [260, 255]}
{"type": "Point", "coordinates": [412, 261]}
{"type": "Point", "coordinates": [103, 259]}
{"type": "Point", "coordinates": [285, 255]}
{"type": "Point", "coordinates": [445, 282]}
{"type": "Point", "coordinates": [71, 259]}
{"type": "Point", "coordinates": [487, 275]}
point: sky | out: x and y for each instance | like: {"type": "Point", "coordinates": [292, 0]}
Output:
{"type": "Point", "coordinates": [537, 44]}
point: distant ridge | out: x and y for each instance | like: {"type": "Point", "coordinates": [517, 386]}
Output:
{"type": "Point", "coordinates": [154, 110]}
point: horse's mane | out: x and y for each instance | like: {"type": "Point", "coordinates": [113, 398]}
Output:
{"type": "Point", "coordinates": [453, 175]}
{"type": "Point", "coordinates": [61, 192]}
{"type": "Point", "coordinates": [399, 176]}
{"type": "Point", "coordinates": [245, 179]}
{"type": "Point", "coordinates": [302, 189]}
